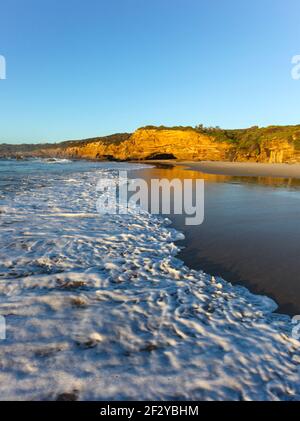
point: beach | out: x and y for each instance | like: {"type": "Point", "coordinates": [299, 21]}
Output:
{"type": "Point", "coordinates": [251, 169]}
{"type": "Point", "coordinates": [251, 233]}
{"type": "Point", "coordinates": [105, 306]}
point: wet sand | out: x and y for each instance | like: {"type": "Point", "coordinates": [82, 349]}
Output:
{"type": "Point", "coordinates": [251, 232]}
{"type": "Point", "coordinates": [250, 169]}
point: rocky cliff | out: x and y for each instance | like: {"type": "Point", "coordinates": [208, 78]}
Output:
{"type": "Point", "coordinates": [271, 144]}
{"type": "Point", "coordinates": [147, 144]}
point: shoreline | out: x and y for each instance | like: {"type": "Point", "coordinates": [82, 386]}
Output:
{"type": "Point", "coordinates": [226, 168]}
{"type": "Point", "coordinates": [258, 215]}
{"type": "Point", "coordinates": [123, 298]}
{"type": "Point", "coordinates": [239, 169]}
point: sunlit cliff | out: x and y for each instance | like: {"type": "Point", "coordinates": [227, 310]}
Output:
{"type": "Point", "coordinates": [272, 144]}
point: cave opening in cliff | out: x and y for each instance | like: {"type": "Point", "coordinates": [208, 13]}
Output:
{"type": "Point", "coordinates": [161, 156]}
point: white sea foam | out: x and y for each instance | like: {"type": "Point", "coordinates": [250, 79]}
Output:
{"type": "Point", "coordinates": [56, 160]}
{"type": "Point", "coordinates": [100, 307]}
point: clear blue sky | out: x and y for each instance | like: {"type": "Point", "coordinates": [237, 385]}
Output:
{"type": "Point", "coordinates": [81, 68]}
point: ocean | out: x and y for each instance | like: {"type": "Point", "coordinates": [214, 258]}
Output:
{"type": "Point", "coordinates": [100, 307]}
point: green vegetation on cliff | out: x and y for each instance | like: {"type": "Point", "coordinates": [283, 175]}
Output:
{"type": "Point", "coordinates": [247, 142]}
{"type": "Point", "coordinates": [9, 149]}
{"type": "Point", "coordinates": [242, 138]}
{"type": "Point", "coordinates": [258, 144]}
{"type": "Point", "coordinates": [245, 138]}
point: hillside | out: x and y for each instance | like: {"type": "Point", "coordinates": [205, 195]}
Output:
{"type": "Point", "coordinates": [274, 144]}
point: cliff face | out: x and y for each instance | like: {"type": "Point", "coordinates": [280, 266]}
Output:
{"type": "Point", "coordinates": [147, 144]}
{"type": "Point", "coordinates": [150, 144]}
{"type": "Point", "coordinates": [181, 144]}
{"type": "Point", "coordinates": [273, 144]}
{"type": "Point", "coordinates": [272, 151]}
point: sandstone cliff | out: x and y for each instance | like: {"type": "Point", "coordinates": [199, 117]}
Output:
{"type": "Point", "coordinates": [272, 144]}
{"type": "Point", "coordinates": [150, 144]}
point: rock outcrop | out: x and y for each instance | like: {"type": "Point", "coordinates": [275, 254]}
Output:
{"type": "Point", "coordinates": [146, 144]}
{"type": "Point", "coordinates": [273, 144]}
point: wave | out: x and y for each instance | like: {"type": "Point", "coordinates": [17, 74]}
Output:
{"type": "Point", "coordinates": [55, 160]}
{"type": "Point", "coordinates": [100, 307]}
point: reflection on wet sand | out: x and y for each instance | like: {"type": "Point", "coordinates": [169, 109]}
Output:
{"type": "Point", "coordinates": [251, 232]}
{"type": "Point", "coordinates": [175, 171]}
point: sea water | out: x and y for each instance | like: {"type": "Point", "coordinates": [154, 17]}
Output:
{"type": "Point", "coordinates": [99, 307]}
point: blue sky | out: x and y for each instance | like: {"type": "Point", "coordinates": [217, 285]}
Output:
{"type": "Point", "coordinates": [78, 69]}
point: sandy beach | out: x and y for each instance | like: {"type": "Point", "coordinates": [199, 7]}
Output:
{"type": "Point", "coordinates": [251, 169]}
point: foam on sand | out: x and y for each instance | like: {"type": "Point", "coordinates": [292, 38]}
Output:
{"type": "Point", "coordinates": [99, 307]}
